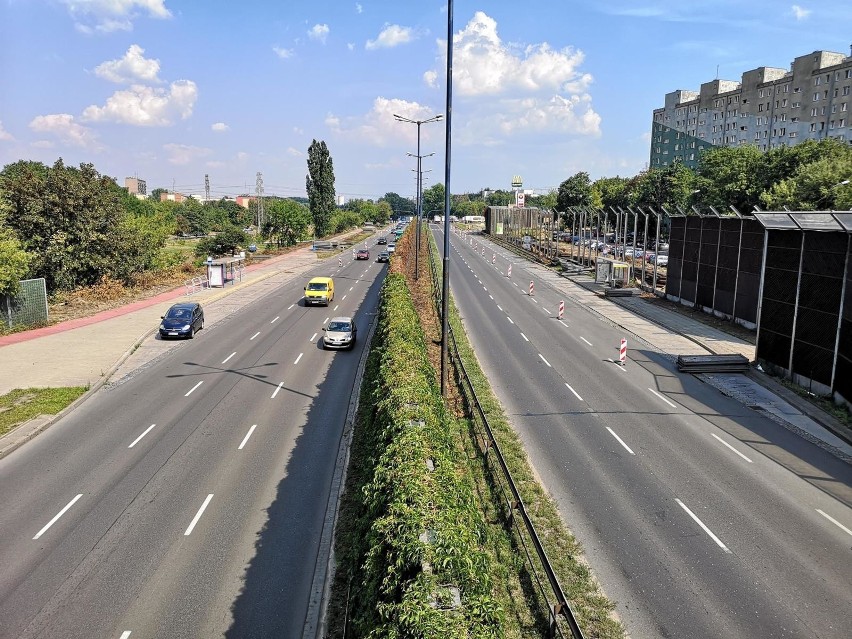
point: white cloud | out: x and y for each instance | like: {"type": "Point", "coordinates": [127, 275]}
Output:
{"type": "Point", "coordinates": [4, 134]}
{"type": "Point", "coordinates": [215, 164]}
{"type": "Point", "coordinates": [431, 79]}
{"type": "Point", "coordinates": [146, 106]}
{"type": "Point", "coordinates": [800, 13]}
{"type": "Point", "coordinates": [319, 32]}
{"type": "Point", "coordinates": [294, 152]}
{"type": "Point", "coordinates": [133, 67]}
{"type": "Point", "coordinates": [283, 53]}
{"type": "Point", "coordinates": [298, 130]}
{"type": "Point", "coordinates": [242, 156]}
{"type": "Point", "coordinates": [220, 127]}
{"type": "Point", "coordinates": [182, 154]}
{"type": "Point", "coordinates": [391, 36]}
{"type": "Point", "coordinates": [350, 46]}
{"type": "Point", "coordinates": [43, 144]}
{"type": "Point", "coordinates": [63, 126]}
{"type": "Point", "coordinates": [105, 16]}
{"type": "Point", "coordinates": [379, 128]}
{"type": "Point", "coordinates": [359, 8]}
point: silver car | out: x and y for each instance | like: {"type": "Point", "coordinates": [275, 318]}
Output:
{"type": "Point", "coordinates": [340, 332]}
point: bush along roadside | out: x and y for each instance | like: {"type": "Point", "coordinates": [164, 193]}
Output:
{"type": "Point", "coordinates": [409, 542]}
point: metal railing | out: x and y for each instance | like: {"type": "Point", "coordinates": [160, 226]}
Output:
{"type": "Point", "coordinates": [561, 606]}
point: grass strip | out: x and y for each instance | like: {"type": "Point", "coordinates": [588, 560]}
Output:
{"type": "Point", "coordinates": [24, 404]}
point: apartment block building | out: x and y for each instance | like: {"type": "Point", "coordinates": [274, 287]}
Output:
{"type": "Point", "coordinates": [769, 107]}
{"type": "Point", "coordinates": [136, 187]}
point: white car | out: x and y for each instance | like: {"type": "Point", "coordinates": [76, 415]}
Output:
{"type": "Point", "coordinates": [391, 247]}
{"type": "Point", "coordinates": [341, 332]}
{"type": "Point", "coordinates": [662, 260]}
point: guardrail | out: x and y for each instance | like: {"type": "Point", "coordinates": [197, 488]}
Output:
{"type": "Point", "coordinates": [561, 606]}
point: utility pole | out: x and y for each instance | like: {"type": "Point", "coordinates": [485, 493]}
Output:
{"type": "Point", "coordinates": [258, 191]}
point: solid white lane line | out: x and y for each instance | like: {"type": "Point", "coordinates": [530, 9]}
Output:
{"type": "Point", "coordinates": [147, 430]}
{"type": "Point", "coordinates": [544, 360]}
{"type": "Point", "coordinates": [277, 317]}
{"type": "Point", "coordinates": [58, 515]}
{"type": "Point", "coordinates": [291, 306]}
{"type": "Point", "coordinates": [312, 337]}
{"type": "Point", "coordinates": [672, 404]}
{"type": "Point", "coordinates": [731, 447]}
{"type": "Point", "coordinates": [298, 358]}
{"type": "Point", "coordinates": [246, 438]}
{"type": "Point", "coordinates": [573, 391]}
{"type": "Point", "coordinates": [703, 527]}
{"type": "Point", "coordinates": [834, 521]}
{"type": "Point", "coordinates": [225, 361]}
{"type": "Point", "coordinates": [276, 390]}
{"type": "Point", "coordinates": [194, 387]}
{"type": "Point", "coordinates": [125, 634]}
{"type": "Point", "coordinates": [585, 340]}
{"type": "Point", "coordinates": [525, 337]}
{"type": "Point", "coordinates": [253, 336]}
{"type": "Point", "coordinates": [620, 441]}
{"type": "Point", "coordinates": [510, 319]}
{"type": "Point", "coordinates": [198, 515]}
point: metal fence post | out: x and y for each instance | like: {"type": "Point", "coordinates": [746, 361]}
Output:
{"type": "Point", "coordinates": [716, 270]}
{"type": "Point", "coordinates": [796, 307]}
{"type": "Point", "coordinates": [840, 313]}
{"type": "Point", "coordinates": [737, 274]}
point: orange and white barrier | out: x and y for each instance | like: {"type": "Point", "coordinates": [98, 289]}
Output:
{"type": "Point", "coordinates": [532, 287]}
{"type": "Point", "coordinates": [561, 309]}
{"type": "Point", "coordinates": [622, 353]}
{"type": "Point", "coordinates": [494, 258]}
{"type": "Point", "coordinates": [509, 271]}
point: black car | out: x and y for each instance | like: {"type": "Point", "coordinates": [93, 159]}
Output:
{"type": "Point", "coordinates": [384, 256]}
{"type": "Point", "coordinates": [182, 320]}
{"type": "Point", "coordinates": [382, 240]}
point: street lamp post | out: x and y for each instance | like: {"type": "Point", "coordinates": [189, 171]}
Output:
{"type": "Point", "coordinates": [434, 118]}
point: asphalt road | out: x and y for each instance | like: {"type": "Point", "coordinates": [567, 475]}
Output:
{"type": "Point", "coordinates": [700, 517]}
{"type": "Point", "coordinates": [189, 500]}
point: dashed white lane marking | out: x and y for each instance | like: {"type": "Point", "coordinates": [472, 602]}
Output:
{"type": "Point", "coordinates": [510, 319]}
{"type": "Point", "coordinates": [313, 337]}
{"type": "Point", "coordinates": [277, 317]}
{"type": "Point", "coordinates": [298, 358]}
{"type": "Point", "coordinates": [136, 441]}
{"type": "Point", "coordinates": [225, 361]}
{"type": "Point", "coordinates": [544, 360]}
{"type": "Point", "coordinates": [198, 515]}
{"type": "Point", "coordinates": [672, 404]}
{"type": "Point", "coordinates": [525, 337]}
{"type": "Point", "coordinates": [563, 323]}
{"type": "Point", "coordinates": [703, 527]}
{"type": "Point", "coordinates": [620, 441]}
{"type": "Point", "coordinates": [189, 392]}
{"type": "Point", "coordinates": [350, 288]}
{"type": "Point", "coordinates": [585, 340]}
{"type": "Point", "coordinates": [834, 521]}
{"type": "Point", "coordinates": [500, 308]}
{"type": "Point", "coordinates": [253, 336]}
{"type": "Point", "coordinates": [491, 296]}
{"type": "Point", "coordinates": [722, 441]}
{"type": "Point", "coordinates": [485, 289]}
{"type": "Point", "coordinates": [276, 390]}
{"type": "Point", "coordinates": [515, 283]}
{"type": "Point", "coordinates": [336, 307]}
{"type": "Point", "coordinates": [573, 391]}
{"type": "Point", "coordinates": [57, 516]}
{"type": "Point", "coordinates": [325, 321]}
{"type": "Point", "coordinates": [291, 306]}
{"type": "Point", "coordinates": [125, 634]}
{"type": "Point", "coordinates": [619, 366]}
{"type": "Point", "coordinates": [246, 438]}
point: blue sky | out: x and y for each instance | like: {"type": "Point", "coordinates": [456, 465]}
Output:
{"type": "Point", "coordinates": [172, 90]}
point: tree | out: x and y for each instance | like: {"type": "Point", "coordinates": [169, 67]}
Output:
{"type": "Point", "coordinates": [224, 243]}
{"type": "Point", "coordinates": [383, 212]}
{"type": "Point", "coordinates": [399, 205]}
{"type": "Point", "coordinates": [500, 198]}
{"type": "Point", "coordinates": [14, 262]}
{"type": "Point", "coordinates": [814, 186]}
{"type": "Point", "coordinates": [730, 175]}
{"type": "Point", "coordinates": [433, 201]}
{"type": "Point", "coordinates": [546, 201]}
{"type": "Point", "coordinates": [286, 221]}
{"type": "Point", "coordinates": [320, 187]}
{"type": "Point", "coordinates": [575, 191]}
{"type": "Point", "coordinates": [155, 194]}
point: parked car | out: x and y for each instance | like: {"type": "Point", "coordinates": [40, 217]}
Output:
{"type": "Point", "coordinates": [362, 254]}
{"type": "Point", "coordinates": [340, 332]}
{"type": "Point", "coordinates": [662, 260]}
{"type": "Point", "coordinates": [384, 256]}
{"type": "Point", "coordinates": [183, 319]}
{"type": "Point", "coordinates": [382, 240]}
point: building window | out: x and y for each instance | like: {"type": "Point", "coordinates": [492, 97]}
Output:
{"type": "Point", "coordinates": [792, 134]}
{"type": "Point", "coordinates": [846, 90]}
{"type": "Point", "coordinates": [784, 102]}
{"type": "Point", "coordinates": [759, 110]}
{"type": "Point", "coordinates": [813, 127]}
{"type": "Point", "coordinates": [813, 112]}
{"type": "Point", "coordinates": [843, 106]}
{"type": "Point", "coordinates": [796, 89]}
{"type": "Point", "coordinates": [816, 97]}
{"type": "Point", "coordinates": [834, 108]}
{"type": "Point", "coordinates": [817, 81]}
{"type": "Point", "coordinates": [842, 123]}
{"type": "Point", "coordinates": [796, 105]}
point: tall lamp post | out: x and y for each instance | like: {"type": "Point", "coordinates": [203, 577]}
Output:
{"type": "Point", "coordinates": [419, 214]}
{"type": "Point", "coordinates": [434, 118]}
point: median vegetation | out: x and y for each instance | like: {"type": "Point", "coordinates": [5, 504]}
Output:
{"type": "Point", "coordinates": [24, 404]}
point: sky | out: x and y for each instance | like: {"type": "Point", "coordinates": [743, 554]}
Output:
{"type": "Point", "coordinates": [171, 90]}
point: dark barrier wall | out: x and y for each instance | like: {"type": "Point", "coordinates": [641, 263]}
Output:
{"type": "Point", "coordinates": [715, 263]}
{"type": "Point", "coordinates": [843, 371]}
{"type": "Point", "coordinates": [783, 253]}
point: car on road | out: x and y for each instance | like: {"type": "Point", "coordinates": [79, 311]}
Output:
{"type": "Point", "coordinates": [384, 256]}
{"type": "Point", "coordinates": [662, 260]}
{"type": "Point", "coordinates": [340, 332]}
{"type": "Point", "coordinates": [382, 240]}
{"type": "Point", "coordinates": [320, 290]}
{"type": "Point", "coordinates": [362, 254]}
{"type": "Point", "coordinates": [392, 247]}
{"type": "Point", "coordinates": [183, 319]}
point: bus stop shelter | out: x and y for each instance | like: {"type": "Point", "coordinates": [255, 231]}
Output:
{"type": "Point", "coordinates": [224, 269]}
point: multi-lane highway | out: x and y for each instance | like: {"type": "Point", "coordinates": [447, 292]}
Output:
{"type": "Point", "coordinates": [189, 501]}
{"type": "Point", "coordinates": [700, 517]}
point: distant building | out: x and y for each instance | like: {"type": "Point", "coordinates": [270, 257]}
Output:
{"type": "Point", "coordinates": [341, 200]}
{"type": "Point", "coordinates": [172, 197]}
{"type": "Point", "coordinates": [768, 108]}
{"type": "Point", "coordinates": [243, 200]}
{"type": "Point", "coordinates": [136, 187]}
